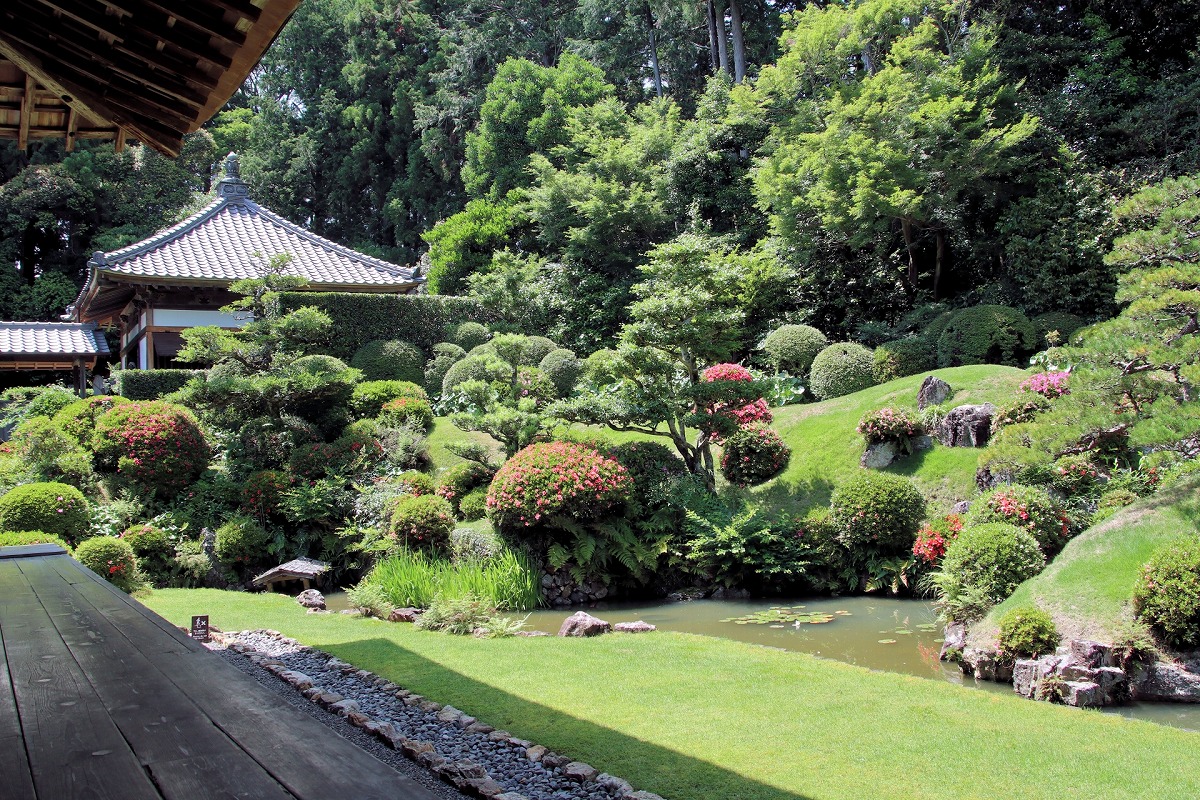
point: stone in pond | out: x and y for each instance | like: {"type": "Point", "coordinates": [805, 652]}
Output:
{"type": "Point", "coordinates": [582, 623]}
{"type": "Point", "coordinates": [311, 598]}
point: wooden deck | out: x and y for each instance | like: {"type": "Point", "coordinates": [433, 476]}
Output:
{"type": "Point", "coordinates": [102, 698]}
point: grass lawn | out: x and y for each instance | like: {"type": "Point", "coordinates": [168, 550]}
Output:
{"type": "Point", "coordinates": [1087, 587]}
{"type": "Point", "coordinates": [695, 718]}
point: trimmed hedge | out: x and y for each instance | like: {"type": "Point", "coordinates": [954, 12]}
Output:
{"type": "Point", "coordinates": [361, 318]}
{"type": "Point", "coordinates": [904, 357]}
{"type": "Point", "coordinates": [390, 360]}
{"type": "Point", "coordinates": [987, 335]}
{"type": "Point", "coordinates": [151, 384]}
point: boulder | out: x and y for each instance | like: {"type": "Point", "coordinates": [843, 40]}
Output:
{"type": "Point", "coordinates": [954, 639]}
{"type": "Point", "coordinates": [1090, 654]}
{"type": "Point", "coordinates": [579, 772]}
{"type": "Point", "coordinates": [311, 598]}
{"type": "Point", "coordinates": [933, 392]}
{"type": "Point", "coordinates": [1025, 677]}
{"type": "Point", "coordinates": [404, 615]}
{"type": "Point", "coordinates": [582, 623]}
{"type": "Point", "coordinates": [879, 455]}
{"type": "Point", "coordinates": [967, 426]}
{"type": "Point", "coordinates": [634, 627]}
{"type": "Point", "coordinates": [1082, 694]}
{"type": "Point", "coordinates": [1171, 682]}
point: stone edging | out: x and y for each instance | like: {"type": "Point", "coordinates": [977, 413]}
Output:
{"type": "Point", "coordinates": [466, 776]}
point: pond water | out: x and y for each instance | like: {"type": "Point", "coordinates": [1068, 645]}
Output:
{"type": "Point", "coordinates": [877, 633]}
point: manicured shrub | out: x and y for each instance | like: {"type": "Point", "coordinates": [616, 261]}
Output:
{"type": "Point", "coordinates": [368, 397]}
{"type": "Point", "coordinates": [445, 355]}
{"type": "Point", "coordinates": [469, 334]}
{"type": "Point", "coordinates": [1076, 475]}
{"type": "Point", "coordinates": [903, 357]}
{"type": "Point", "coordinates": [600, 368]}
{"type": "Point", "coordinates": [985, 564]}
{"type": "Point", "coordinates": [20, 538]}
{"type": "Point", "coordinates": [1060, 323]}
{"type": "Point", "coordinates": [319, 364]}
{"type": "Point", "coordinates": [1027, 632]}
{"type": "Point", "coordinates": [841, 369]}
{"type": "Point", "coordinates": [422, 522]}
{"type": "Point", "coordinates": [555, 478]}
{"type": "Point", "coordinates": [390, 360]}
{"type": "Point", "coordinates": [473, 506]}
{"type": "Point", "coordinates": [78, 420]}
{"type": "Point", "coordinates": [241, 540]}
{"type": "Point", "coordinates": [1026, 507]}
{"type": "Point", "coordinates": [535, 348]}
{"type": "Point", "coordinates": [151, 384]}
{"type": "Point", "coordinates": [932, 539]}
{"type": "Point", "coordinates": [474, 368]}
{"type": "Point", "coordinates": [415, 482]}
{"type": "Point", "coordinates": [262, 493]}
{"type": "Point", "coordinates": [563, 369]}
{"type": "Point", "coordinates": [48, 453]}
{"type": "Point", "coordinates": [112, 559]}
{"type": "Point", "coordinates": [792, 348]}
{"type": "Point", "coordinates": [877, 512]}
{"type": "Point", "coordinates": [54, 508]}
{"type": "Point", "coordinates": [986, 335]}
{"type": "Point", "coordinates": [1167, 593]}
{"type": "Point", "coordinates": [461, 479]}
{"type": "Point", "coordinates": [754, 455]}
{"type": "Point", "coordinates": [412, 412]}
{"type": "Point", "coordinates": [153, 548]}
{"type": "Point", "coordinates": [155, 446]}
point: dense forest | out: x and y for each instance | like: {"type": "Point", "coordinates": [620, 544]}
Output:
{"type": "Point", "coordinates": [860, 160]}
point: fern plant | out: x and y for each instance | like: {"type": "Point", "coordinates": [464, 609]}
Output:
{"type": "Point", "coordinates": [743, 549]}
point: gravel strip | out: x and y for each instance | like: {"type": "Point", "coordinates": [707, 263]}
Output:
{"type": "Point", "coordinates": [393, 723]}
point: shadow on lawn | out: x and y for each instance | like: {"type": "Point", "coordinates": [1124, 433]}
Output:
{"type": "Point", "coordinates": [633, 759]}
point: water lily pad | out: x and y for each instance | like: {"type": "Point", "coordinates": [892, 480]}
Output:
{"type": "Point", "coordinates": [887, 641]}
{"type": "Point", "coordinates": [780, 616]}
{"type": "Point", "coordinates": [843, 613]}
{"type": "Point", "coordinates": [903, 632]}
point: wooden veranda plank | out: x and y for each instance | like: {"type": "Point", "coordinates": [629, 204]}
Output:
{"type": "Point", "coordinates": [15, 774]}
{"type": "Point", "coordinates": [74, 748]}
{"type": "Point", "coordinates": [184, 753]}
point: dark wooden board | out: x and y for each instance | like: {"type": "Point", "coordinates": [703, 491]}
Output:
{"type": "Point", "coordinates": [24, 550]}
{"type": "Point", "coordinates": [15, 775]}
{"type": "Point", "coordinates": [186, 755]}
{"type": "Point", "coordinates": [75, 750]}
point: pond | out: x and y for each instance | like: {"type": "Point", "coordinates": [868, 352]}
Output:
{"type": "Point", "coordinates": [873, 632]}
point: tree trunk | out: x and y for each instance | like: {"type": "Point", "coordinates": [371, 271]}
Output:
{"type": "Point", "coordinates": [722, 50]}
{"type": "Point", "coordinates": [739, 43]}
{"type": "Point", "coordinates": [941, 260]}
{"type": "Point", "coordinates": [658, 88]}
{"type": "Point", "coordinates": [711, 18]}
{"type": "Point", "coordinates": [911, 247]}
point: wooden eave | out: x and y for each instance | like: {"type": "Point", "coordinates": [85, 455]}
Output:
{"type": "Point", "coordinates": [138, 69]}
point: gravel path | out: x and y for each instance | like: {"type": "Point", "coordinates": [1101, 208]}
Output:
{"type": "Point", "coordinates": [417, 736]}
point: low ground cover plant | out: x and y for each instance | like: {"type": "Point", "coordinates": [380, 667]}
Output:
{"type": "Point", "coordinates": [1027, 632]}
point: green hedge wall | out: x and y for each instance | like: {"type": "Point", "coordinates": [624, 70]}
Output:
{"type": "Point", "coordinates": [151, 384]}
{"type": "Point", "coordinates": [423, 320]}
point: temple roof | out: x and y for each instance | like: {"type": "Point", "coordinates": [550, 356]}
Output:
{"type": "Point", "coordinates": [230, 239]}
{"type": "Point", "coordinates": [32, 345]}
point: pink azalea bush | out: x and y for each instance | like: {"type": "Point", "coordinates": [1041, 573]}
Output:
{"type": "Point", "coordinates": [741, 416]}
{"type": "Point", "coordinates": [888, 425]}
{"type": "Point", "coordinates": [1025, 507]}
{"type": "Point", "coordinates": [555, 478]}
{"type": "Point", "coordinates": [153, 445]}
{"type": "Point", "coordinates": [1047, 384]}
{"type": "Point", "coordinates": [754, 455]}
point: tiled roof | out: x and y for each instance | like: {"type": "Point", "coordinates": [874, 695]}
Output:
{"type": "Point", "coordinates": [51, 338]}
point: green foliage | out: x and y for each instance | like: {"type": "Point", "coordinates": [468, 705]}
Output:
{"type": "Point", "coordinates": [414, 482]}
{"type": "Point", "coordinates": [45, 452]}
{"type": "Point", "coordinates": [563, 369]}
{"type": "Point", "coordinates": [1025, 507]}
{"type": "Point", "coordinates": [22, 402]}
{"type": "Point", "coordinates": [1027, 632]}
{"type": "Point", "coordinates": [390, 360]}
{"type": "Point", "coordinates": [983, 566]}
{"type": "Point", "coordinates": [506, 580]}
{"type": "Point", "coordinates": [841, 369]}
{"type": "Point", "coordinates": [445, 355]}
{"type": "Point", "coordinates": [22, 538]}
{"type": "Point", "coordinates": [552, 480]}
{"type": "Point", "coordinates": [987, 335]}
{"type": "Point", "coordinates": [462, 245]}
{"type": "Point", "coordinates": [1055, 327]}
{"type": "Point", "coordinates": [792, 348]}
{"type": "Point", "coordinates": [412, 412]}
{"type": "Point", "coordinates": [152, 445]}
{"type": "Point", "coordinates": [154, 550]}
{"type": "Point", "coordinates": [422, 522]}
{"type": "Point", "coordinates": [745, 549]}
{"type": "Point", "coordinates": [371, 599]}
{"type": "Point", "coordinates": [463, 478]}
{"type": "Point", "coordinates": [484, 368]}
{"type": "Point", "coordinates": [79, 418]}
{"type": "Point", "coordinates": [902, 357]}
{"type": "Point", "coordinates": [151, 384]}
{"type": "Point", "coordinates": [369, 396]}
{"type": "Point", "coordinates": [754, 455]}
{"type": "Point", "coordinates": [54, 508]}
{"type": "Point", "coordinates": [466, 616]}
{"type": "Point", "coordinates": [241, 542]}
{"type": "Point", "coordinates": [111, 559]}
{"type": "Point", "coordinates": [469, 335]}
{"type": "Point", "coordinates": [1024, 408]}
{"type": "Point", "coordinates": [877, 513]}
{"type": "Point", "coordinates": [473, 505]}
{"type": "Point", "coordinates": [361, 318]}
{"type": "Point", "coordinates": [1167, 593]}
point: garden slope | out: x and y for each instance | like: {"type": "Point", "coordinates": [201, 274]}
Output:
{"type": "Point", "coordinates": [696, 718]}
{"type": "Point", "coordinates": [1087, 588]}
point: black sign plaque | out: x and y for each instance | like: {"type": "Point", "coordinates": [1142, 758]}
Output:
{"type": "Point", "coordinates": [200, 628]}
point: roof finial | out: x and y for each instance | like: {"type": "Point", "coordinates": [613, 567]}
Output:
{"type": "Point", "coordinates": [232, 187]}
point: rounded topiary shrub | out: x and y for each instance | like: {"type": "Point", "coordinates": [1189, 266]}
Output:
{"type": "Point", "coordinates": [79, 419]}
{"type": "Point", "coordinates": [792, 348]}
{"type": "Point", "coordinates": [473, 506]}
{"type": "Point", "coordinates": [601, 367]}
{"type": "Point", "coordinates": [319, 364]}
{"type": "Point", "coordinates": [989, 561]}
{"type": "Point", "coordinates": [463, 478]}
{"type": "Point", "coordinates": [467, 335]}
{"type": "Point", "coordinates": [486, 368]}
{"type": "Point", "coordinates": [1166, 595]}
{"type": "Point", "coordinates": [414, 482]}
{"type": "Point", "coordinates": [563, 369]}
{"type": "Point", "coordinates": [157, 447]}
{"type": "Point", "coordinates": [112, 559]}
{"type": "Point", "coordinates": [368, 397]}
{"type": "Point", "coordinates": [54, 508]}
{"type": "Point", "coordinates": [555, 478]}
{"type": "Point", "coordinates": [1058, 325]}
{"type": "Point", "coordinates": [241, 540]}
{"type": "Point", "coordinates": [1027, 507]}
{"type": "Point", "coordinates": [535, 348]}
{"type": "Point", "coordinates": [903, 357]}
{"type": "Point", "coordinates": [153, 548]}
{"type": "Point", "coordinates": [876, 512]}
{"type": "Point", "coordinates": [422, 522]}
{"type": "Point", "coordinates": [754, 455]}
{"type": "Point", "coordinates": [1027, 632]}
{"type": "Point", "coordinates": [841, 369]}
{"type": "Point", "coordinates": [390, 360]}
{"type": "Point", "coordinates": [987, 335]}
{"type": "Point", "coordinates": [411, 412]}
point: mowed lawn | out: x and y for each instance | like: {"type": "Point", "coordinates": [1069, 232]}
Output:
{"type": "Point", "coordinates": [697, 718]}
